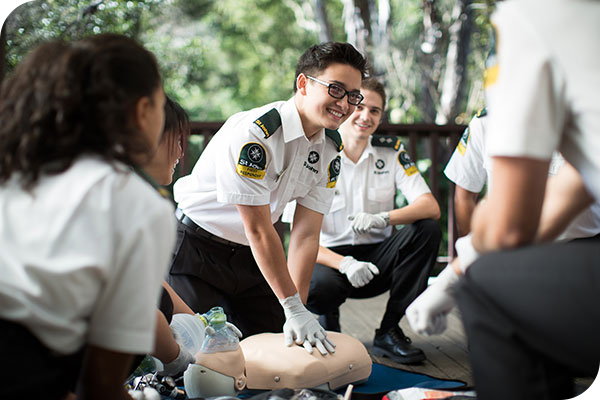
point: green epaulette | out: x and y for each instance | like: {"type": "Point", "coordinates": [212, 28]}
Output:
{"type": "Point", "coordinates": [392, 142]}
{"type": "Point", "coordinates": [481, 113]}
{"type": "Point", "coordinates": [269, 122]}
{"type": "Point", "coordinates": [335, 136]}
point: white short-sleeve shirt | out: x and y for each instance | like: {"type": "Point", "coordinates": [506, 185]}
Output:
{"type": "Point", "coordinates": [469, 166]}
{"type": "Point", "coordinates": [259, 157]}
{"type": "Point", "coordinates": [83, 257]}
{"type": "Point", "coordinates": [370, 186]}
{"type": "Point", "coordinates": [551, 101]}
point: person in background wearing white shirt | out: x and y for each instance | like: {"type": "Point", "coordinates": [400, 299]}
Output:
{"type": "Point", "coordinates": [360, 256]}
{"type": "Point", "coordinates": [85, 240]}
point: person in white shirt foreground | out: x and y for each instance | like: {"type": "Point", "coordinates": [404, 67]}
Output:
{"type": "Point", "coordinates": [531, 314]}
{"type": "Point", "coordinates": [360, 256]}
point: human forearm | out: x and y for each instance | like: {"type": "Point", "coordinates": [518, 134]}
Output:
{"type": "Point", "coordinates": [464, 205]}
{"type": "Point", "coordinates": [109, 384]}
{"type": "Point", "coordinates": [267, 249]}
{"type": "Point", "coordinates": [425, 206]}
{"type": "Point", "coordinates": [329, 257]}
{"type": "Point", "coordinates": [179, 306]}
{"type": "Point", "coordinates": [165, 346]}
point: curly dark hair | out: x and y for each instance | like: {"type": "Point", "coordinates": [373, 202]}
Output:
{"type": "Point", "coordinates": [69, 99]}
{"type": "Point", "coordinates": [320, 56]}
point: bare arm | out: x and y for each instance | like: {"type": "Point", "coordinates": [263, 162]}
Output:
{"type": "Point", "coordinates": [464, 205]}
{"type": "Point", "coordinates": [267, 248]}
{"type": "Point", "coordinates": [303, 247]}
{"type": "Point", "coordinates": [565, 197]}
{"type": "Point", "coordinates": [103, 374]}
{"type": "Point", "coordinates": [329, 257]}
{"type": "Point", "coordinates": [425, 206]}
{"type": "Point", "coordinates": [179, 306]}
{"type": "Point", "coordinates": [511, 213]}
{"type": "Point", "coordinates": [166, 348]}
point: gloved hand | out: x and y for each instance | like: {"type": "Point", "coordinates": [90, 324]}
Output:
{"type": "Point", "coordinates": [179, 364]}
{"type": "Point", "coordinates": [466, 252]}
{"type": "Point", "coordinates": [359, 273]}
{"type": "Point", "coordinates": [428, 313]}
{"type": "Point", "coordinates": [365, 222]}
{"type": "Point", "coordinates": [302, 327]}
{"type": "Point", "coordinates": [146, 394]}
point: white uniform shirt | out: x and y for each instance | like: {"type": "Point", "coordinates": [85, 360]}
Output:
{"type": "Point", "coordinates": [83, 257]}
{"type": "Point", "coordinates": [242, 166]}
{"type": "Point", "coordinates": [469, 166]}
{"type": "Point", "coordinates": [552, 101]}
{"type": "Point", "coordinates": [370, 186]}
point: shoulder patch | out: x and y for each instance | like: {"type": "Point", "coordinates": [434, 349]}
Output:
{"type": "Point", "coordinates": [333, 171]}
{"type": "Point", "coordinates": [463, 142]}
{"type": "Point", "coordinates": [335, 136]}
{"type": "Point", "coordinates": [252, 161]}
{"type": "Point", "coordinates": [410, 168]}
{"type": "Point", "coordinates": [481, 113]}
{"type": "Point", "coordinates": [269, 122]}
{"type": "Point", "coordinates": [389, 141]}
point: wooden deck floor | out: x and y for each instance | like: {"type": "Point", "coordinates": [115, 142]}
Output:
{"type": "Point", "coordinates": [447, 354]}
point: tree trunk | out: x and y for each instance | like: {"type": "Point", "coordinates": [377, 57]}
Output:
{"type": "Point", "coordinates": [454, 80]}
{"type": "Point", "coordinates": [357, 24]}
{"type": "Point", "coordinates": [431, 33]}
{"type": "Point", "coordinates": [325, 31]}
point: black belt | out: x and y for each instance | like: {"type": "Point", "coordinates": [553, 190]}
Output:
{"type": "Point", "coordinates": [187, 221]}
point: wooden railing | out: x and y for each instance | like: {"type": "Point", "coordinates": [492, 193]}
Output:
{"type": "Point", "coordinates": [422, 141]}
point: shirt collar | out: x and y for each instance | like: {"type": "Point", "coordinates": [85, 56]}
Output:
{"type": "Point", "coordinates": [292, 124]}
{"type": "Point", "coordinates": [367, 152]}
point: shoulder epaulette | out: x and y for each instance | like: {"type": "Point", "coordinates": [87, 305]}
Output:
{"type": "Point", "coordinates": [481, 113]}
{"type": "Point", "coordinates": [392, 142]}
{"type": "Point", "coordinates": [335, 136]}
{"type": "Point", "coordinates": [269, 122]}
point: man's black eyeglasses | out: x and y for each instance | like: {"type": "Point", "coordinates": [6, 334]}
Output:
{"type": "Point", "coordinates": [338, 92]}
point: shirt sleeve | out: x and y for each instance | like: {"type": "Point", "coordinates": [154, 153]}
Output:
{"type": "Point", "coordinates": [526, 99]}
{"type": "Point", "coordinates": [125, 314]}
{"type": "Point", "coordinates": [242, 171]}
{"type": "Point", "coordinates": [466, 166]}
{"type": "Point", "coordinates": [408, 179]}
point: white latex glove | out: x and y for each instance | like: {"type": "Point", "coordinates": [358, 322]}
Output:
{"type": "Point", "coordinates": [302, 327]}
{"type": "Point", "coordinates": [179, 364]}
{"type": "Point", "coordinates": [365, 222]}
{"type": "Point", "coordinates": [428, 313]}
{"type": "Point", "coordinates": [466, 252]}
{"type": "Point", "coordinates": [146, 394]}
{"type": "Point", "coordinates": [359, 273]}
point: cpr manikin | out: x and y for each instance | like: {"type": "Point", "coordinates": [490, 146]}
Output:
{"type": "Point", "coordinates": [264, 362]}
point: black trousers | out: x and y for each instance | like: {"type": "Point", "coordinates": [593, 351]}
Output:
{"type": "Point", "coordinates": [532, 317]}
{"type": "Point", "coordinates": [30, 370]}
{"type": "Point", "coordinates": [404, 260]}
{"type": "Point", "coordinates": [206, 273]}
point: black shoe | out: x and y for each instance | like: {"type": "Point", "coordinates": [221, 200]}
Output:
{"type": "Point", "coordinates": [396, 346]}
{"type": "Point", "coordinates": [331, 321]}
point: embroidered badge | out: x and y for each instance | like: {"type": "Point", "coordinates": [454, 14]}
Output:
{"type": "Point", "coordinates": [313, 157]}
{"type": "Point", "coordinates": [269, 122]}
{"type": "Point", "coordinates": [333, 171]}
{"type": "Point", "coordinates": [410, 168]}
{"type": "Point", "coordinates": [463, 142]}
{"type": "Point", "coordinates": [379, 164]}
{"type": "Point", "coordinates": [252, 161]}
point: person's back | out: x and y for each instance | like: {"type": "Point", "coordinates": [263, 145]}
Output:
{"type": "Point", "coordinates": [79, 228]}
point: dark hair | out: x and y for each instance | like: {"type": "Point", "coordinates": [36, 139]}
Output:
{"type": "Point", "coordinates": [376, 86]}
{"type": "Point", "coordinates": [69, 99]}
{"type": "Point", "coordinates": [177, 124]}
{"type": "Point", "coordinates": [320, 56]}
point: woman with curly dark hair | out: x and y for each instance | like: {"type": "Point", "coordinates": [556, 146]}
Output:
{"type": "Point", "coordinates": [85, 241]}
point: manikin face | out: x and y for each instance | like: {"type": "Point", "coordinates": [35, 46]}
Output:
{"type": "Point", "coordinates": [162, 165]}
{"type": "Point", "coordinates": [366, 117]}
{"type": "Point", "coordinates": [319, 110]}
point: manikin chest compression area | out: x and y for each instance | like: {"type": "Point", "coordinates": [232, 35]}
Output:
{"type": "Point", "coordinates": [264, 362]}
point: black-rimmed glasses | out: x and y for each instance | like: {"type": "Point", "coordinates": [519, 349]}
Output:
{"type": "Point", "coordinates": [338, 92]}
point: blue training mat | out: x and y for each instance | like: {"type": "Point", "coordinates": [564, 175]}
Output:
{"type": "Point", "coordinates": [385, 379]}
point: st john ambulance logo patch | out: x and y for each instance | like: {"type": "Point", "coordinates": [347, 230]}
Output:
{"type": "Point", "coordinates": [252, 161]}
{"type": "Point", "coordinates": [313, 157]}
{"type": "Point", "coordinates": [334, 171]}
{"type": "Point", "coordinates": [379, 164]}
{"type": "Point", "coordinates": [409, 166]}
